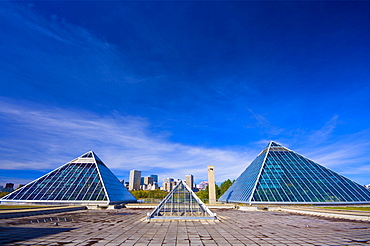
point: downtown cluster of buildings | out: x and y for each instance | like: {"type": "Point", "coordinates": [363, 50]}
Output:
{"type": "Point", "coordinates": [137, 182]}
{"type": "Point", "coordinates": [9, 187]}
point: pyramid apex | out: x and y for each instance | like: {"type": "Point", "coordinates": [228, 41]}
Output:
{"type": "Point", "coordinates": [89, 154]}
{"type": "Point", "coordinates": [273, 146]}
{"type": "Point", "coordinates": [273, 143]}
{"type": "Point", "coordinates": [88, 157]}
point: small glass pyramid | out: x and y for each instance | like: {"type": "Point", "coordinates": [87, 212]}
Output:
{"type": "Point", "coordinates": [85, 180]}
{"type": "Point", "coordinates": [181, 204]}
{"type": "Point", "coordinates": [281, 176]}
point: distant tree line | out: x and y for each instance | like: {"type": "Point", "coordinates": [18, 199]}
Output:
{"type": "Point", "coordinates": [3, 193]}
{"type": "Point", "coordinates": [220, 190]}
{"type": "Point", "coordinates": [157, 194]}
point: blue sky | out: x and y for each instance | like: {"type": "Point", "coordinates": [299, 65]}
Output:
{"type": "Point", "coordinates": [171, 87]}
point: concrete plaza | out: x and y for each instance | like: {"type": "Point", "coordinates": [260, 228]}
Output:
{"type": "Point", "coordinates": [128, 227]}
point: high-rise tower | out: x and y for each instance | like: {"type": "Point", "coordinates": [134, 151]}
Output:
{"type": "Point", "coordinates": [190, 181]}
{"type": "Point", "coordinates": [155, 178]}
{"type": "Point", "coordinates": [135, 178]}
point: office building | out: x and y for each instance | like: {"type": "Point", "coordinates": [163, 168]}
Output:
{"type": "Point", "coordinates": [167, 186]}
{"type": "Point", "coordinates": [135, 180]}
{"type": "Point", "coordinates": [155, 178]}
{"type": "Point", "coordinates": [189, 179]}
{"type": "Point", "coordinates": [279, 175]}
{"type": "Point", "coordinates": [168, 180]}
{"type": "Point", "coordinates": [148, 180]}
{"type": "Point", "coordinates": [9, 187]}
{"type": "Point", "coordinates": [170, 183]}
{"type": "Point", "coordinates": [85, 180]}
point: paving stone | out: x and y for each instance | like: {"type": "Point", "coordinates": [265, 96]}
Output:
{"type": "Point", "coordinates": [126, 227]}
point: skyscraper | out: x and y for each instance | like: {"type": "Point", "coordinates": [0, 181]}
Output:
{"type": "Point", "coordinates": [148, 180]}
{"type": "Point", "coordinates": [168, 184]}
{"type": "Point", "coordinates": [135, 178]}
{"type": "Point", "coordinates": [155, 178]}
{"type": "Point", "coordinates": [9, 187]}
{"type": "Point", "coordinates": [190, 181]}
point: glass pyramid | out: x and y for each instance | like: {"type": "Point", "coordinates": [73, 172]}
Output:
{"type": "Point", "coordinates": [183, 204]}
{"type": "Point", "coordinates": [281, 176]}
{"type": "Point", "coordinates": [85, 180]}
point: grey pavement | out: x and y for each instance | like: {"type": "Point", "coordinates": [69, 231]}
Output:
{"type": "Point", "coordinates": [128, 227]}
{"type": "Point", "coordinates": [13, 213]}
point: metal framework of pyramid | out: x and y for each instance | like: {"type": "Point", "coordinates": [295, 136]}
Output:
{"type": "Point", "coordinates": [85, 180]}
{"type": "Point", "coordinates": [281, 176]}
{"type": "Point", "coordinates": [181, 204]}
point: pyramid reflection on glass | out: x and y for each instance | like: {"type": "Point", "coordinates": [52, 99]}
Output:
{"type": "Point", "coordinates": [85, 180]}
{"type": "Point", "coordinates": [281, 176]}
{"type": "Point", "coordinates": [182, 204]}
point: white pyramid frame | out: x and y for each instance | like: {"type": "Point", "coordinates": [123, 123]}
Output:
{"type": "Point", "coordinates": [85, 180]}
{"type": "Point", "coordinates": [180, 208]}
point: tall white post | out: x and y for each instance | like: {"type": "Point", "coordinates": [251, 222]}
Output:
{"type": "Point", "coordinates": [211, 185]}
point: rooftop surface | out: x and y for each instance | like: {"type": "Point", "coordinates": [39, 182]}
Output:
{"type": "Point", "coordinates": [128, 227]}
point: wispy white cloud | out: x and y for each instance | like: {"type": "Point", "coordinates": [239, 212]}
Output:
{"type": "Point", "coordinates": [322, 135]}
{"type": "Point", "coordinates": [264, 123]}
{"type": "Point", "coordinates": [356, 170]}
{"type": "Point", "coordinates": [344, 152]}
{"type": "Point", "coordinates": [57, 136]}
{"type": "Point", "coordinates": [50, 137]}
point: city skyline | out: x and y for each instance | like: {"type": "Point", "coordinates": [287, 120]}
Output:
{"type": "Point", "coordinates": [172, 87]}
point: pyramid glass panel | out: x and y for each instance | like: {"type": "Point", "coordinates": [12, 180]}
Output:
{"type": "Point", "coordinates": [288, 177]}
{"type": "Point", "coordinates": [246, 182]}
{"type": "Point", "coordinates": [85, 180]}
{"type": "Point", "coordinates": [114, 191]}
{"type": "Point", "coordinates": [181, 203]}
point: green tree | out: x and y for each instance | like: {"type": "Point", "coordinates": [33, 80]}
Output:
{"type": "Point", "coordinates": [3, 193]}
{"type": "Point", "coordinates": [158, 194]}
{"type": "Point", "coordinates": [224, 186]}
{"type": "Point", "coordinates": [204, 194]}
